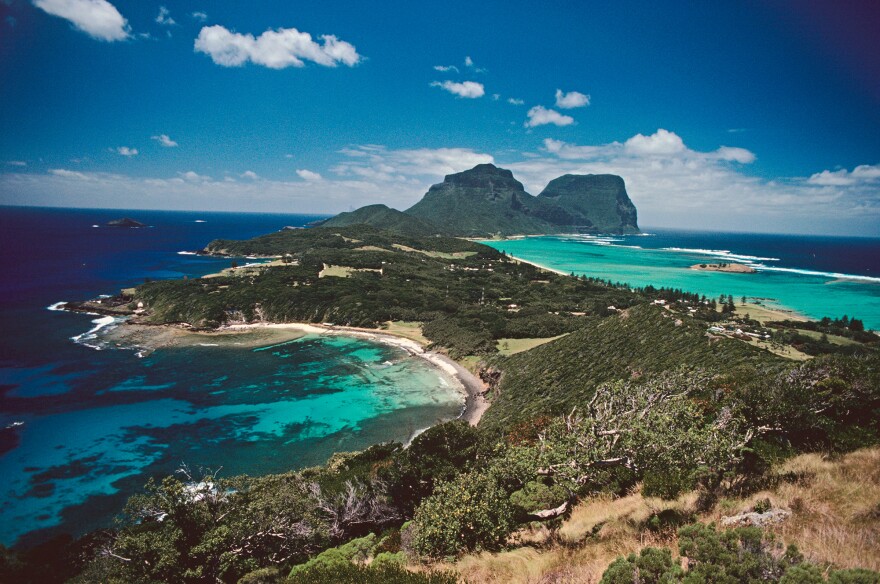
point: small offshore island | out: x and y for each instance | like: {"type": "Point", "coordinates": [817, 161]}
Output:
{"type": "Point", "coordinates": [722, 267]}
{"type": "Point", "coordinates": [602, 416]}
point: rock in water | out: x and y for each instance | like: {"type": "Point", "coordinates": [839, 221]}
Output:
{"type": "Point", "coordinates": [125, 222]}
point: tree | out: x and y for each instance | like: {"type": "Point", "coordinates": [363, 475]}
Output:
{"type": "Point", "coordinates": [654, 426]}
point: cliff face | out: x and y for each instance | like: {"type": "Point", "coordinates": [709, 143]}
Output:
{"type": "Point", "coordinates": [597, 202]}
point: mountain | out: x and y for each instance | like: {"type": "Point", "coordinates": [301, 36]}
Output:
{"type": "Point", "coordinates": [487, 200]}
{"type": "Point", "coordinates": [482, 201]}
{"type": "Point", "coordinates": [598, 202]}
{"type": "Point", "coordinates": [384, 217]}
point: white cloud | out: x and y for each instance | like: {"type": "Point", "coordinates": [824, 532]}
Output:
{"type": "Point", "coordinates": [250, 175]}
{"type": "Point", "coordinates": [68, 173]}
{"type": "Point", "coordinates": [16, 163]}
{"type": "Point", "coordinates": [164, 140]}
{"type": "Point", "coordinates": [515, 101]}
{"type": "Point", "coordinates": [403, 166]}
{"type": "Point", "coordinates": [200, 16]}
{"type": "Point", "coordinates": [468, 89]}
{"type": "Point", "coordinates": [734, 154]}
{"type": "Point", "coordinates": [308, 174]}
{"type": "Point", "coordinates": [192, 176]}
{"type": "Point", "coordinates": [660, 143]}
{"type": "Point", "coordinates": [468, 62]}
{"type": "Point", "coordinates": [673, 185]}
{"type": "Point", "coordinates": [97, 18]}
{"type": "Point", "coordinates": [446, 68]}
{"type": "Point", "coordinates": [126, 151]}
{"type": "Point", "coordinates": [164, 17]}
{"type": "Point", "coordinates": [862, 174]}
{"type": "Point", "coordinates": [571, 100]}
{"type": "Point", "coordinates": [570, 151]}
{"type": "Point", "coordinates": [540, 116]}
{"type": "Point", "coordinates": [367, 174]}
{"type": "Point", "coordinates": [276, 49]}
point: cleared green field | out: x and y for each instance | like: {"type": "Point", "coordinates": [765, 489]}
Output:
{"type": "Point", "coordinates": [513, 346]}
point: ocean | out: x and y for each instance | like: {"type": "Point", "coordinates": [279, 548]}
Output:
{"type": "Point", "coordinates": [811, 275]}
{"type": "Point", "coordinates": [83, 425]}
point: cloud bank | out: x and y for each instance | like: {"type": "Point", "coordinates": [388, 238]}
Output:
{"type": "Point", "coordinates": [275, 49]}
{"type": "Point", "coordinates": [672, 185]}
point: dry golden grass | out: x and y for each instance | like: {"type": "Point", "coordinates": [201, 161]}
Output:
{"type": "Point", "coordinates": [508, 347]}
{"type": "Point", "coordinates": [836, 508]}
{"type": "Point", "coordinates": [835, 520]}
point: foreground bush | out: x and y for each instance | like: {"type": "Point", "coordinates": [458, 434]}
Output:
{"type": "Point", "coordinates": [353, 574]}
{"type": "Point", "coordinates": [471, 512]}
{"type": "Point", "coordinates": [744, 554]}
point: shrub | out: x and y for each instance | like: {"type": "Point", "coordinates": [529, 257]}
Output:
{"type": "Point", "coordinates": [652, 566]}
{"type": "Point", "coordinates": [262, 576]}
{"type": "Point", "coordinates": [744, 554]}
{"type": "Point", "coordinates": [471, 512]}
{"type": "Point", "coordinates": [855, 576]}
{"type": "Point", "coordinates": [352, 574]}
{"type": "Point", "coordinates": [535, 496]}
{"type": "Point", "coordinates": [386, 559]}
{"type": "Point", "coordinates": [357, 550]}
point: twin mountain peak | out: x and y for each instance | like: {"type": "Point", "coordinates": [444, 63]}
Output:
{"type": "Point", "coordinates": [487, 200]}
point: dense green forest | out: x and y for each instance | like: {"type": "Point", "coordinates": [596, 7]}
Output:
{"type": "Point", "coordinates": [632, 394]}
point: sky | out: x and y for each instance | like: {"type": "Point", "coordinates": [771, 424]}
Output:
{"type": "Point", "coordinates": [755, 115]}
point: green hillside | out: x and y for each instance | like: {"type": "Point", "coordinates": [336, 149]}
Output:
{"type": "Point", "coordinates": [384, 217]}
{"type": "Point", "coordinates": [644, 340]}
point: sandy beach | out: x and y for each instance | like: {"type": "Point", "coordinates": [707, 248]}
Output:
{"type": "Point", "coordinates": [545, 268]}
{"type": "Point", "coordinates": [148, 338]}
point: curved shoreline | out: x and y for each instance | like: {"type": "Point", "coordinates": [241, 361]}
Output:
{"type": "Point", "coordinates": [151, 337]}
{"type": "Point", "coordinates": [777, 311]}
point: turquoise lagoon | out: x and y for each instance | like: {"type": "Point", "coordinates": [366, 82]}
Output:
{"type": "Point", "coordinates": [813, 276]}
{"type": "Point", "coordinates": [100, 433]}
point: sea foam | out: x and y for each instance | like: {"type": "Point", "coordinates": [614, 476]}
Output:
{"type": "Point", "coordinates": [87, 338]}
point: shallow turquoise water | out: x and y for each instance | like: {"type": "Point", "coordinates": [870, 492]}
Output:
{"type": "Point", "coordinates": [629, 260]}
{"type": "Point", "coordinates": [94, 436]}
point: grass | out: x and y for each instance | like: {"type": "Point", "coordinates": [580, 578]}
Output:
{"type": "Point", "coordinates": [833, 339]}
{"type": "Point", "coordinates": [513, 346]}
{"type": "Point", "coordinates": [406, 329]}
{"type": "Point", "coordinates": [764, 314]}
{"type": "Point", "coordinates": [835, 520]}
{"type": "Point", "coordinates": [342, 271]}
{"type": "Point", "coordinates": [456, 255]}
{"type": "Point", "coordinates": [786, 351]}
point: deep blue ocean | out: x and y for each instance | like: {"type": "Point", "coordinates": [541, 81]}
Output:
{"type": "Point", "coordinates": [82, 429]}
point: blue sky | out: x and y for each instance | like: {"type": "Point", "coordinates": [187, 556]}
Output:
{"type": "Point", "coordinates": [743, 116]}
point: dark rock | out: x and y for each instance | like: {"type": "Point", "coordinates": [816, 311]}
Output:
{"type": "Point", "coordinates": [125, 222]}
